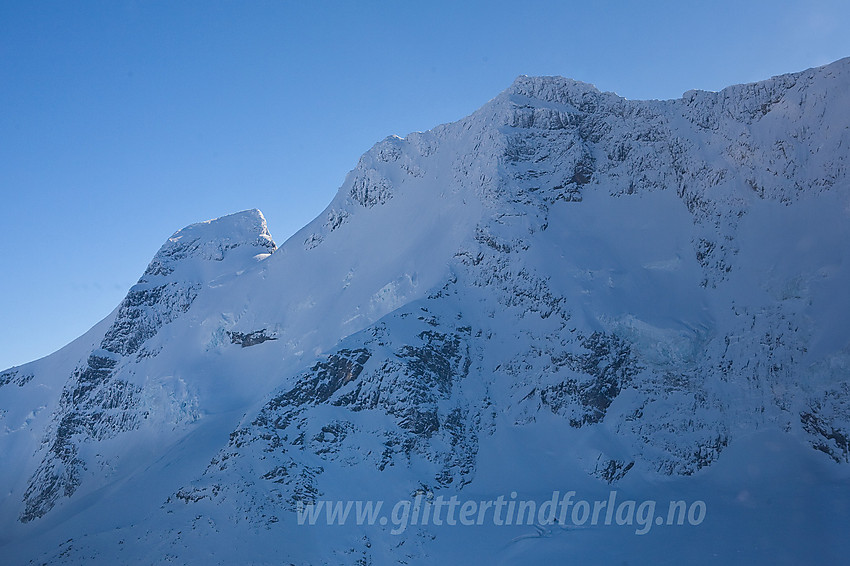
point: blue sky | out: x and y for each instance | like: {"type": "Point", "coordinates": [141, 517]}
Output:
{"type": "Point", "coordinates": [121, 122]}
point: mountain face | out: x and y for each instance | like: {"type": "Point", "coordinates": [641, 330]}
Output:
{"type": "Point", "coordinates": [564, 290]}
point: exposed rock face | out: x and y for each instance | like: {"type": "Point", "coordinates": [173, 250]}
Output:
{"type": "Point", "coordinates": [94, 406]}
{"type": "Point", "coordinates": [143, 312]}
{"type": "Point", "coordinates": [400, 392]}
{"type": "Point", "coordinates": [246, 339]}
{"type": "Point", "coordinates": [15, 377]}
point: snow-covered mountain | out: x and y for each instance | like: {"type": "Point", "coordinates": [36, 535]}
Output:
{"type": "Point", "coordinates": [565, 290]}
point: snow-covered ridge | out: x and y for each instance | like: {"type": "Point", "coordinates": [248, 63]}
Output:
{"type": "Point", "coordinates": [632, 145]}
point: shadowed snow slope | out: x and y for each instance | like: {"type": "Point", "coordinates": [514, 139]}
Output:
{"type": "Point", "coordinates": [565, 290]}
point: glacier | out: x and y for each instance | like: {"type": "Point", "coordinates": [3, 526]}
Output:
{"type": "Point", "coordinates": [566, 290]}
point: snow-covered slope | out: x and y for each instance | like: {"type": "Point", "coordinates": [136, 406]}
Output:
{"type": "Point", "coordinates": [565, 290]}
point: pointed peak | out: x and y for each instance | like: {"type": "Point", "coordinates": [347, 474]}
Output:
{"type": "Point", "coordinates": [212, 240]}
{"type": "Point", "coordinates": [250, 220]}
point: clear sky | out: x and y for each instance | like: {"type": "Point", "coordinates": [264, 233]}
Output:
{"type": "Point", "coordinates": [122, 121]}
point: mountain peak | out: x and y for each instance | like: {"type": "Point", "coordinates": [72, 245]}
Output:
{"type": "Point", "coordinates": [543, 87]}
{"type": "Point", "coordinates": [245, 225]}
{"type": "Point", "coordinates": [212, 240]}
